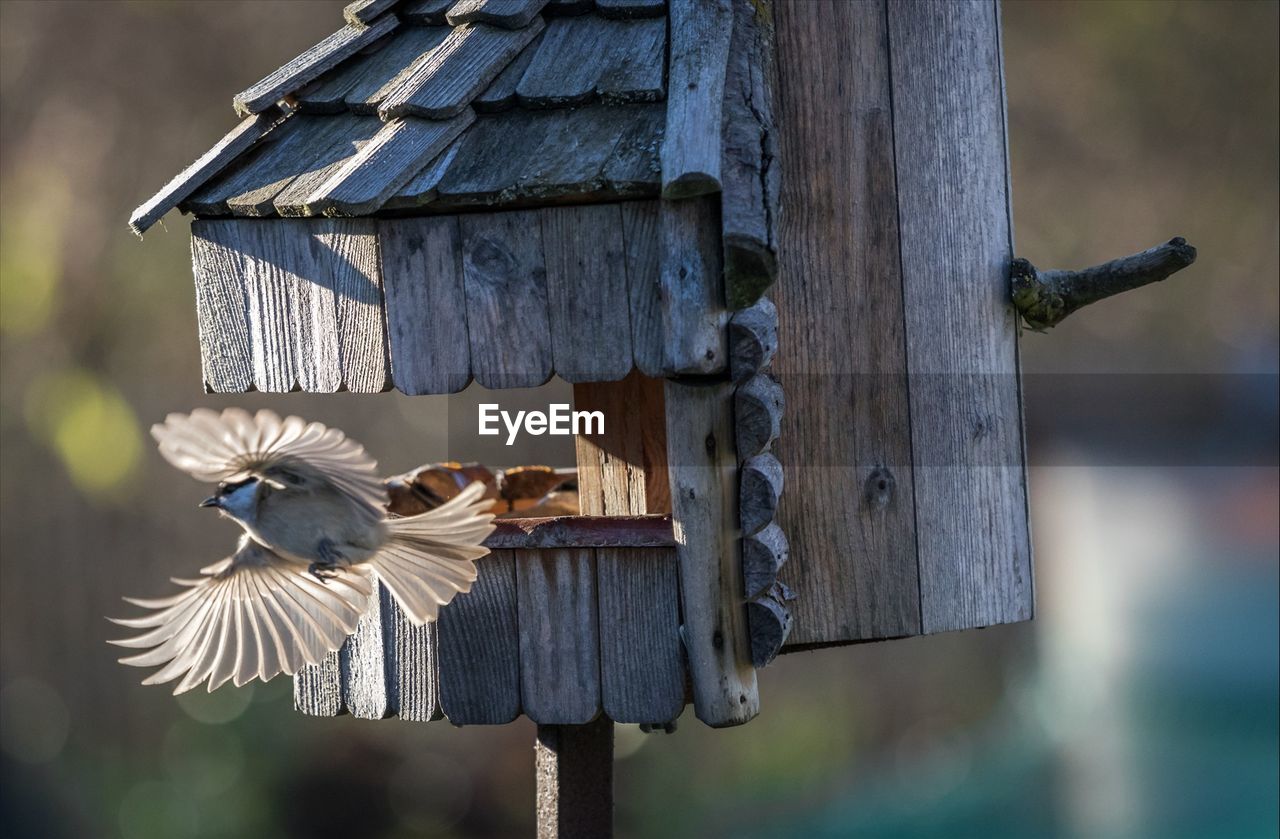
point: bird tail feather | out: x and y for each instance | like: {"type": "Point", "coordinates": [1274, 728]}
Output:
{"type": "Point", "coordinates": [430, 557]}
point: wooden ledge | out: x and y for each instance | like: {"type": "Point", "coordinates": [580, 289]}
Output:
{"type": "Point", "coordinates": [654, 531]}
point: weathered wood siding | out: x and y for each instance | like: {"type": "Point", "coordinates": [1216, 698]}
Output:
{"type": "Point", "coordinates": [902, 444]}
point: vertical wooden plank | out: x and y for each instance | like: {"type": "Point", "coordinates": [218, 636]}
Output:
{"type": "Point", "coordinates": [692, 296]}
{"type": "Point", "coordinates": [221, 306]}
{"type": "Point", "coordinates": [622, 472]}
{"type": "Point", "coordinates": [691, 147]}
{"type": "Point", "coordinates": [349, 249]}
{"type": "Point", "coordinates": [704, 487]}
{"type": "Point", "coordinates": [841, 348]}
{"type": "Point", "coordinates": [363, 662]}
{"type": "Point", "coordinates": [480, 648]}
{"type": "Point", "coordinates": [313, 306]}
{"type": "Point", "coordinates": [587, 292]}
{"type": "Point", "coordinates": [273, 324]}
{"type": "Point", "coordinates": [644, 284]}
{"type": "Point", "coordinates": [505, 281]}
{"type": "Point", "coordinates": [966, 419]}
{"type": "Point", "coordinates": [426, 307]}
{"type": "Point", "coordinates": [559, 638]}
{"type": "Point", "coordinates": [317, 688]}
{"type": "Point", "coordinates": [415, 668]}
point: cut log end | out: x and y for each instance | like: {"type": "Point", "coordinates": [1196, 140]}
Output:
{"type": "Point", "coordinates": [690, 185]}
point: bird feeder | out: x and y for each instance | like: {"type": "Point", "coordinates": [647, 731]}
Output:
{"type": "Point", "coordinates": [502, 191]}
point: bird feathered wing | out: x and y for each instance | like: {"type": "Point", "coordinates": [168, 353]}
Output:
{"type": "Point", "coordinates": [235, 444]}
{"type": "Point", "coordinates": [430, 557]}
{"type": "Point", "coordinates": [254, 614]}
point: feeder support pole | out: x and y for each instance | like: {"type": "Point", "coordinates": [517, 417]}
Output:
{"type": "Point", "coordinates": [574, 767]}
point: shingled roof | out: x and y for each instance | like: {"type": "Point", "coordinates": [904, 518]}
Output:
{"type": "Point", "coordinates": [426, 106]}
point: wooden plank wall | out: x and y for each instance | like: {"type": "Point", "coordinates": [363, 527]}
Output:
{"type": "Point", "coordinates": [895, 239]}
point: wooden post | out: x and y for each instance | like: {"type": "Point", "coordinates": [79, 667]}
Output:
{"type": "Point", "coordinates": [574, 766]}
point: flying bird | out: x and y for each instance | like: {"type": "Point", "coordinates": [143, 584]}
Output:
{"type": "Point", "coordinates": [316, 540]}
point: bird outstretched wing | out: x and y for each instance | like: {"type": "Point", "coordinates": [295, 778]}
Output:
{"type": "Point", "coordinates": [235, 445]}
{"type": "Point", "coordinates": [254, 614]}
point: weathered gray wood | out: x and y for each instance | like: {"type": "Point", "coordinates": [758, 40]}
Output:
{"type": "Point", "coordinates": [509, 14]}
{"type": "Point", "coordinates": [209, 164]}
{"type": "Point", "coordinates": [693, 313]}
{"type": "Point", "coordinates": [221, 306]}
{"type": "Point", "coordinates": [691, 148]}
{"type": "Point", "coordinates": [385, 164]}
{"type": "Point", "coordinates": [479, 648]}
{"type": "Point", "coordinates": [567, 8]}
{"type": "Point", "coordinates": [505, 281]}
{"type": "Point", "coordinates": [274, 328]}
{"type": "Point", "coordinates": [644, 285]}
{"type": "Point", "coordinates": [330, 150]}
{"type": "Point", "coordinates": [413, 668]}
{"type": "Point", "coordinates": [758, 409]}
{"type": "Point", "coordinates": [380, 72]}
{"type": "Point", "coordinates": [581, 58]}
{"type": "Point", "coordinates": [313, 307]}
{"type": "Point", "coordinates": [317, 688]}
{"type": "Point", "coordinates": [633, 167]}
{"type": "Point", "coordinates": [442, 83]}
{"type": "Point", "coordinates": [366, 692]}
{"type": "Point", "coordinates": [583, 531]}
{"type": "Point", "coordinates": [426, 305]}
{"type": "Point", "coordinates": [559, 636]}
{"type": "Point", "coordinates": [763, 555]}
{"type": "Point", "coordinates": [641, 664]}
{"type": "Point", "coordinates": [363, 12]}
{"type": "Point", "coordinates": [501, 94]}
{"type": "Point", "coordinates": [703, 466]}
{"type": "Point", "coordinates": [749, 168]}
{"type": "Point", "coordinates": [587, 292]}
{"type": "Point", "coordinates": [753, 339]}
{"type": "Point", "coordinates": [758, 494]}
{"type": "Point", "coordinates": [423, 12]}
{"type": "Point", "coordinates": [771, 623]}
{"type": "Point", "coordinates": [324, 56]}
{"type": "Point", "coordinates": [631, 8]}
{"type": "Point", "coordinates": [573, 765]}
{"type": "Point", "coordinates": [348, 251]}
{"type": "Point", "coordinates": [276, 160]}
{"type": "Point", "coordinates": [966, 418]}
{"type": "Point", "coordinates": [423, 187]}
{"type": "Point", "coordinates": [842, 357]}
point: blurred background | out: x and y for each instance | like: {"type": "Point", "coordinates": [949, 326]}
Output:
{"type": "Point", "coordinates": [1141, 702]}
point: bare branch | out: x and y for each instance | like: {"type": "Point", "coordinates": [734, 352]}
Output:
{"type": "Point", "coordinates": [1045, 298]}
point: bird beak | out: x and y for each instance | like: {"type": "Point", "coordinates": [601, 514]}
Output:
{"type": "Point", "coordinates": [211, 501]}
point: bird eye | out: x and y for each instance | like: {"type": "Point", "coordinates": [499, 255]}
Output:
{"type": "Point", "coordinates": [290, 477]}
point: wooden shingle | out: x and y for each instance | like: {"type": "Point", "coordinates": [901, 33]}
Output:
{"type": "Point", "coordinates": [509, 14]}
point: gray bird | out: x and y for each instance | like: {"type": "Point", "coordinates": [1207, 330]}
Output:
{"type": "Point", "coordinates": [316, 539]}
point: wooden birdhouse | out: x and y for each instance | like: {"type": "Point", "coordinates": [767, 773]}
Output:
{"type": "Point", "coordinates": [502, 191]}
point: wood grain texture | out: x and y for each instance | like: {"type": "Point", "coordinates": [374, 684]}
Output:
{"type": "Point", "coordinates": [248, 186]}
{"type": "Point", "coordinates": [771, 622]}
{"type": "Point", "coordinates": [443, 82]}
{"type": "Point", "coordinates": [622, 472]}
{"type": "Point", "coordinates": [763, 555]}
{"type": "Point", "coordinates": [573, 768]}
{"type": "Point", "coordinates": [328, 151]}
{"type": "Point", "coordinates": [966, 419]}
{"type": "Point", "coordinates": [221, 306]}
{"type": "Point", "coordinates": [363, 662]}
{"type": "Point", "coordinates": [753, 339]}
{"type": "Point", "coordinates": [296, 260]}
{"type": "Point", "coordinates": [644, 285]}
{"type": "Point", "coordinates": [583, 531]}
{"type": "Point", "coordinates": [317, 688]}
{"type": "Point", "coordinates": [426, 304]}
{"type": "Point", "coordinates": [501, 93]}
{"type": "Point", "coordinates": [480, 648]}
{"type": "Point", "coordinates": [424, 12]}
{"type": "Point", "coordinates": [414, 668]}
{"type": "Point", "coordinates": [306, 67]}
{"type": "Point", "coordinates": [692, 297]}
{"type": "Point", "coordinates": [749, 169]}
{"type": "Point", "coordinates": [385, 164]}
{"type": "Point", "coordinates": [349, 251]}
{"type": "Point", "coordinates": [691, 150]}
{"type": "Point", "coordinates": [509, 14]}
{"type": "Point", "coordinates": [641, 662]}
{"type": "Point", "coordinates": [854, 565]}
{"type": "Point", "coordinates": [758, 410]}
{"type": "Point", "coordinates": [759, 491]}
{"type": "Point", "coordinates": [588, 57]}
{"type": "Point", "coordinates": [423, 188]}
{"type": "Point", "coordinates": [364, 12]}
{"type": "Point", "coordinates": [587, 292]}
{"type": "Point", "coordinates": [274, 328]}
{"type": "Point", "coordinates": [505, 281]}
{"type": "Point", "coordinates": [209, 164]}
{"type": "Point", "coordinates": [377, 74]}
{"type": "Point", "coordinates": [559, 636]}
{"type": "Point", "coordinates": [703, 469]}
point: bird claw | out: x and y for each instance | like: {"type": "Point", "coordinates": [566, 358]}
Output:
{"type": "Point", "coordinates": [322, 571]}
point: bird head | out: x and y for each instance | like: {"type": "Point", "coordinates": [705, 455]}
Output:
{"type": "Point", "coordinates": [236, 499]}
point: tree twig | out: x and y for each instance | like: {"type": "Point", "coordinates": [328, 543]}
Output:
{"type": "Point", "coordinates": [1045, 298]}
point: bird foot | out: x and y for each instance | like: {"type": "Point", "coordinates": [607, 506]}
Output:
{"type": "Point", "coordinates": [322, 571]}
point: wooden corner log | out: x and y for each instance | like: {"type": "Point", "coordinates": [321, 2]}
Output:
{"type": "Point", "coordinates": [753, 339]}
{"type": "Point", "coordinates": [1045, 298]}
{"type": "Point", "coordinates": [758, 406]}
{"type": "Point", "coordinates": [763, 555]}
{"type": "Point", "coordinates": [759, 488]}
{"type": "Point", "coordinates": [749, 163]}
{"type": "Point", "coordinates": [691, 148]}
{"type": "Point", "coordinates": [771, 622]}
